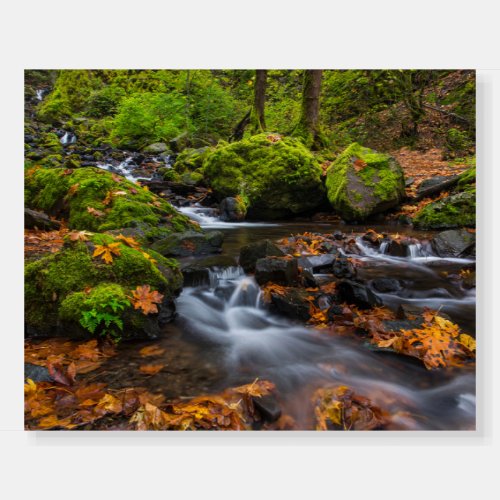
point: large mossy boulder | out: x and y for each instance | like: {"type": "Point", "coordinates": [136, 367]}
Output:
{"type": "Point", "coordinates": [457, 210]}
{"type": "Point", "coordinates": [76, 293]}
{"type": "Point", "coordinates": [96, 200]}
{"type": "Point", "coordinates": [362, 182]}
{"type": "Point", "coordinates": [278, 175]}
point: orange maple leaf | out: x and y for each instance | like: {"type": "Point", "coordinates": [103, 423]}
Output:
{"type": "Point", "coordinates": [145, 299]}
{"type": "Point", "coordinates": [150, 369]}
{"type": "Point", "coordinates": [107, 251]}
{"type": "Point", "coordinates": [129, 241]}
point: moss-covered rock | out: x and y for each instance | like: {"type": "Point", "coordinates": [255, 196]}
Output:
{"type": "Point", "coordinates": [61, 287]}
{"type": "Point", "coordinates": [96, 200]}
{"type": "Point", "coordinates": [279, 176]}
{"type": "Point", "coordinates": [362, 182]}
{"type": "Point", "coordinates": [191, 159]}
{"type": "Point", "coordinates": [457, 210]}
{"type": "Point", "coordinates": [467, 179]}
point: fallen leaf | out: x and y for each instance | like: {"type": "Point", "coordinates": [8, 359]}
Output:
{"type": "Point", "coordinates": [150, 369]}
{"type": "Point", "coordinates": [151, 350]}
{"type": "Point", "coordinates": [107, 251]}
{"type": "Point", "coordinates": [145, 299]}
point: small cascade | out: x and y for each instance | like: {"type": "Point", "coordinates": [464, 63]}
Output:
{"type": "Point", "coordinates": [384, 246]}
{"type": "Point", "coordinates": [68, 138]}
{"type": "Point", "coordinates": [216, 275]}
{"type": "Point", "coordinates": [39, 94]}
{"type": "Point", "coordinates": [126, 168]}
{"type": "Point", "coordinates": [247, 294]}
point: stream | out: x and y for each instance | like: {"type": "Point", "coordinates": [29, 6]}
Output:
{"type": "Point", "coordinates": [224, 336]}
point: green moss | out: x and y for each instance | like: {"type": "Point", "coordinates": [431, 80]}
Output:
{"type": "Point", "coordinates": [458, 210]}
{"type": "Point", "coordinates": [55, 286]}
{"type": "Point", "coordinates": [190, 159]}
{"type": "Point", "coordinates": [71, 195]}
{"type": "Point", "coordinates": [375, 184]}
{"type": "Point", "coordinates": [276, 176]}
{"type": "Point", "coordinates": [467, 177]}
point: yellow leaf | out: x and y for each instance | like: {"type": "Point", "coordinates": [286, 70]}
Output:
{"type": "Point", "coordinates": [467, 341]}
{"type": "Point", "coordinates": [107, 251]}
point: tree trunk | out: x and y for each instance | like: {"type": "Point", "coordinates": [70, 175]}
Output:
{"type": "Point", "coordinates": [257, 115]}
{"type": "Point", "coordinates": [308, 126]}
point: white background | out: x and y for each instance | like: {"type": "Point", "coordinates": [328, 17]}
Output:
{"type": "Point", "coordinates": [257, 34]}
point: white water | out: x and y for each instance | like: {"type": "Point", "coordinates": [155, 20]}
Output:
{"type": "Point", "coordinates": [206, 218]}
{"type": "Point", "coordinates": [253, 342]}
{"type": "Point", "coordinates": [39, 94]}
{"type": "Point", "coordinates": [68, 138]}
{"type": "Point", "coordinates": [126, 168]}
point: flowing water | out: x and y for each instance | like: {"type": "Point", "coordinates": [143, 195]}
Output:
{"type": "Point", "coordinates": [224, 336]}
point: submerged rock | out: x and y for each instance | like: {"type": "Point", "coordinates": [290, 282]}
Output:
{"type": "Point", "coordinates": [189, 243]}
{"type": "Point", "coordinates": [362, 182]}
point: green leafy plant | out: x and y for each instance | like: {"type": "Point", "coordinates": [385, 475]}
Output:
{"type": "Point", "coordinates": [104, 318]}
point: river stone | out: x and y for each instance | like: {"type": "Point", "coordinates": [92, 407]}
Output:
{"type": "Point", "coordinates": [34, 219]}
{"type": "Point", "coordinates": [362, 182]}
{"type": "Point", "coordinates": [155, 148]}
{"type": "Point", "coordinates": [36, 373]}
{"type": "Point", "coordinates": [249, 254]}
{"type": "Point", "coordinates": [318, 263]}
{"type": "Point", "coordinates": [386, 285]}
{"type": "Point", "coordinates": [231, 210]}
{"type": "Point", "coordinates": [268, 407]}
{"type": "Point", "coordinates": [358, 294]}
{"type": "Point", "coordinates": [454, 243]}
{"type": "Point", "coordinates": [279, 270]}
{"type": "Point", "coordinates": [189, 243]}
{"type": "Point", "coordinates": [343, 268]}
{"type": "Point", "coordinates": [292, 303]}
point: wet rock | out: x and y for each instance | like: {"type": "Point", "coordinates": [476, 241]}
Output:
{"type": "Point", "coordinates": [435, 185]}
{"type": "Point", "coordinates": [358, 294]}
{"type": "Point", "coordinates": [232, 210]}
{"type": "Point", "coordinates": [408, 311]}
{"type": "Point", "coordinates": [36, 373]}
{"type": "Point", "coordinates": [34, 219]}
{"type": "Point", "coordinates": [279, 270]}
{"type": "Point", "coordinates": [308, 279]}
{"type": "Point", "coordinates": [371, 237]}
{"type": "Point", "coordinates": [454, 243]}
{"type": "Point", "coordinates": [249, 254]}
{"type": "Point", "coordinates": [268, 407]}
{"type": "Point", "coordinates": [292, 304]}
{"type": "Point", "coordinates": [334, 311]}
{"type": "Point", "coordinates": [182, 141]}
{"type": "Point", "coordinates": [338, 235]}
{"type": "Point", "coordinates": [386, 285]}
{"type": "Point", "coordinates": [404, 324]}
{"type": "Point", "coordinates": [343, 268]}
{"type": "Point", "coordinates": [189, 243]}
{"type": "Point", "coordinates": [397, 248]}
{"type": "Point", "coordinates": [321, 263]}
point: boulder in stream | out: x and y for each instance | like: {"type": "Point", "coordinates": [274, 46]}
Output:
{"type": "Point", "coordinates": [249, 254]}
{"type": "Point", "coordinates": [358, 294]}
{"type": "Point", "coordinates": [279, 270]}
{"type": "Point", "coordinates": [189, 243]}
{"type": "Point", "coordinates": [454, 243]}
{"type": "Point", "coordinates": [362, 182]}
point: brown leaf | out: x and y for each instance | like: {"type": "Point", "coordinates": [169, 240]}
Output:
{"type": "Point", "coordinates": [151, 350]}
{"type": "Point", "coordinates": [145, 299]}
{"type": "Point", "coordinates": [150, 369]}
{"type": "Point", "coordinates": [95, 212]}
{"type": "Point", "coordinates": [79, 235]}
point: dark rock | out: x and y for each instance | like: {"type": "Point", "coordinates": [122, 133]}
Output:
{"type": "Point", "coordinates": [231, 210]}
{"type": "Point", "coordinates": [407, 311]}
{"type": "Point", "coordinates": [454, 243]}
{"type": "Point", "coordinates": [308, 279]}
{"type": "Point", "coordinates": [182, 141]}
{"type": "Point", "coordinates": [279, 270]}
{"type": "Point", "coordinates": [402, 324]}
{"type": "Point", "coordinates": [34, 219]}
{"type": "Point", "coordinates": [397, 248]}
{"type": "Point", "coordinates": [36, 373]}
{"type": "Point", "coordinates": [343, 268]}
{"type": "Point", "coordinates": [386, 285]}
{"type": "Point", "coordinates": [189, 243]}
{"type": "Point", "coordinates": [358, 294]}
{"type": "Point", "coordinates": [409, 182]}
{"type": "Point", "coordinates": [268, 408]}
{"type": "Point", "coordinates": [435, 185]}
{"type": "Point", "coordinates": [334, 311]}
{"type": "Point", "coordinates": [167, 312]}
{"type": "Point", "coordinates": [292, 304]}
{"type": "Point", "coordinates": [432, 181]}
{"type": "Point", "coordinates": [338, 235]}
{"type": "Point", "coordinates": [372, 237]}
{"type": "Point", "coordinates": [320, 263]}
{"type": "Point", "coordinates": [249, 254]}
